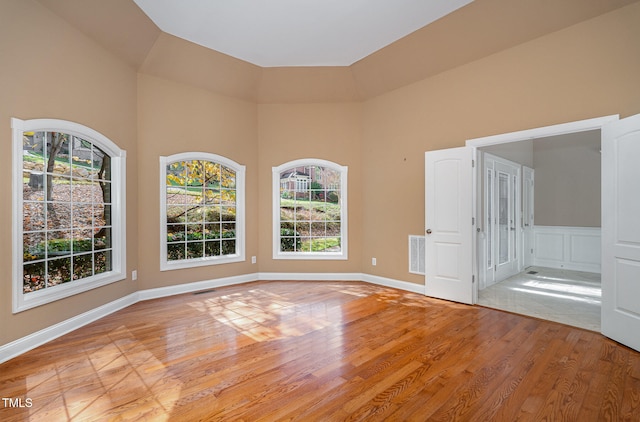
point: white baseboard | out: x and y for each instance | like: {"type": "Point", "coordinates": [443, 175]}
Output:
{"type": "Point", "coordinates": [24, 344]}
{"type": "Point", "coordinates": [396, 284]}
{"type": "Point", "coordinates": [179, 289]}
{"type": "Point", "coordinates": [368, 278]}
{"type": "Point", "coordinates": [311, 276]}
{"type": "Point", "coordinates": [15, 348]}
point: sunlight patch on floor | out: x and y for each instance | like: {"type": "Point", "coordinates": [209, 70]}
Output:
{"type": "Point", "coordinates": [568, 297]}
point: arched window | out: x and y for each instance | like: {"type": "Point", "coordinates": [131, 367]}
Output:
{"type": "Point", "coordinates": [310, 210]}
{"type": "Point", "coordinates": [69, 220]}
{"type": "Point", "coordinates": [202, 210]}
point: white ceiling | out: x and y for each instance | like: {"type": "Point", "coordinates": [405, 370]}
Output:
{"type": "Point", "coordinates": [271, 33]}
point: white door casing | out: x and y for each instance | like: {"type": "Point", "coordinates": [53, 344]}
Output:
{"type": "Point", "coordinates": [528, 199]}
{"type": "Point", "coordinates": [448, 223]}
{"type": "Point", "coordinates": [620, 316]}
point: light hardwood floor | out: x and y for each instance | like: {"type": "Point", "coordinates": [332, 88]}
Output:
{"type": "Point", "coordinates": [322, 351]}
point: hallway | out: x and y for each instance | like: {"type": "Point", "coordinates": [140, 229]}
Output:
{"type": "Point", "coordinates": [568, 297]}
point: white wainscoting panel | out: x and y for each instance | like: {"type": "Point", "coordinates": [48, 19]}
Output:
{"type": "Point", "coordinates": [571, 248]}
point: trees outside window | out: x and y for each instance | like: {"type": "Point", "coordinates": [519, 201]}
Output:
{"type": "Point", "coordinates": [68, 211]}
{"type": "Point", "coordinates": [310, 210]}
{"type": "Point", "coordinates": [202, 210]}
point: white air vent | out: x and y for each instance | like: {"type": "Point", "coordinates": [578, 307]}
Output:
{"type": "Point", "coordinates": [416, 254]}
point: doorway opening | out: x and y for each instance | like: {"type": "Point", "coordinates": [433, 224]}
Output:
{"type": "Point", "coordinates": [538, 208]}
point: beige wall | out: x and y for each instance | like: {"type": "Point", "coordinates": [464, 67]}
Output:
{"type": "Point", "coordinates": [567, 180]}
{"type": "Point", "coordinates": [50, 70]}
{"type": "Point", "coordinates": [173, 118]}
{"type": "Point", "coordinates": [324, 131]}
{"type": "Point", "coordinates": [587, 70]}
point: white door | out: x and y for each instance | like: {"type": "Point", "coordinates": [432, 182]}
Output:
{"type": "Point", "coordinates": [503, 229]}
{"type": "Point", "coordinates": [621, 231]}
{"type": "Point", "coordinates": [448, 223]}
{"type": "Point", "coordinates": [528, 189]}
{"type": "Point", "coordinates": [506, 212]}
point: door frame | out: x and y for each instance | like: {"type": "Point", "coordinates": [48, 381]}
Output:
{"type": "Point", "coordinates": [524, 135]}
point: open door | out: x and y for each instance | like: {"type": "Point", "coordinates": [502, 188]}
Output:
{"type": "Point", "coordinates": [528, 197]}
{"type": "Point", "coordinates": [448, 224]}
{"type": "Point", "coordinates": [621, 231]}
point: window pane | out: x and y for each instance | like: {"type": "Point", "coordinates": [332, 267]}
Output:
{"type": "Point", "coordinates": [33, 246]}
{"type": "Point", "coordinates": [212, 248]}
{"type": "Point", "coordinates": [58, 188]}
{"type": "Point", "coordinates": [82, 216]}
{"type": "Point", "coordinates": [175, 251]}
{"type": "Point", "coordinates": [58, 271]}
{"type": "Point", "coordinates": [318, 229]}
{"type": "Point", "coordinates": [81, 158]}
{"type": "Point", "coordinates": [101, 165]}
{"type": "Point", "coordinates": [34, 216]}
{"type": "Point", "coordinates": [57, 152]}
{"type": "Point", "coordinates": [58, 243]}
{"type": "Point", "coordinates": [176, 232]}
{"type": "Point", "coordinates": [213, 230]}
{"type": "Point", "coordinates": [503, 217]}
{"type": "Point", "coordinates": [195, 231]}
{"type": "Point", "coordinates": [195, 250]}
{"type": "Point", "coordinates": [58, 215]}
{"type": "Point", "coordinates": [102, 262]}
{"type": "Point", "coordinates": [177, 196]}
{"type": "Point", "coordinates": [228, 247]}
{"type": "Point", "coordinates": [195, 173]}
{"type": "Point", "coordinates": [212, 174]}
{"type": "Point", "coordinates": [82, 242]}
{"type": "Point", "coordinates": [212, 196]}
{"type": "Point", "coordinates": [33, 277]}
{"type": "Point", "coordinates": [289, 240]}
{"type": "Point", "coordinates": [82, 266]}
{"type": "Point", "coordinates": [228, 178]}
{"type": "Point", "coordinates": [195, 214]}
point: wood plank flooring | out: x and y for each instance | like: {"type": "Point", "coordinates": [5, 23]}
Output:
{"type": "Point", "coordinates": [321, 351]}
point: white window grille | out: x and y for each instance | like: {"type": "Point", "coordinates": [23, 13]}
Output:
{"type": "Point", "coordinates": [311, 221]}
{"type": "Point", "coordinates": [202, 210]}
{"type": "Point", "coordinates": [69, 211]}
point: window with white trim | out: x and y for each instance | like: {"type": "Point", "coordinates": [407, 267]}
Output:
{"type": "Point", "coordinates": [69, 220]}
{"type": "Point", "coordinates": [310, 210]}
{"type": "Point", "coordinates": [202, 210]}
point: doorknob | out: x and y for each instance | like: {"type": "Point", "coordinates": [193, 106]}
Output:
{"type": "Point", "coordinates": [428, 231]}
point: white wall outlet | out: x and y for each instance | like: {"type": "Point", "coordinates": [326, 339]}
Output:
{"type": "Point", "coordinates": [373, 262]}
{"type": "Point", "coordinates": [254, 259]}
{"type": "Point", "coordinates": [134, 275]}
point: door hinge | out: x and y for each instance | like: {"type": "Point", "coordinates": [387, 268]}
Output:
{"type": "Point", "coordinates": [473, 279]}
{"type": "Point", "coordinates": [473, 221]}
{"type": "Point", "coordinates": [473, 163]}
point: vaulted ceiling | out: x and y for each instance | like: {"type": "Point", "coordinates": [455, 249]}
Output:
{"type": "Point", "coordinates": [280, 33]}
{"type": "Point", "coordinates": [266, 67]}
